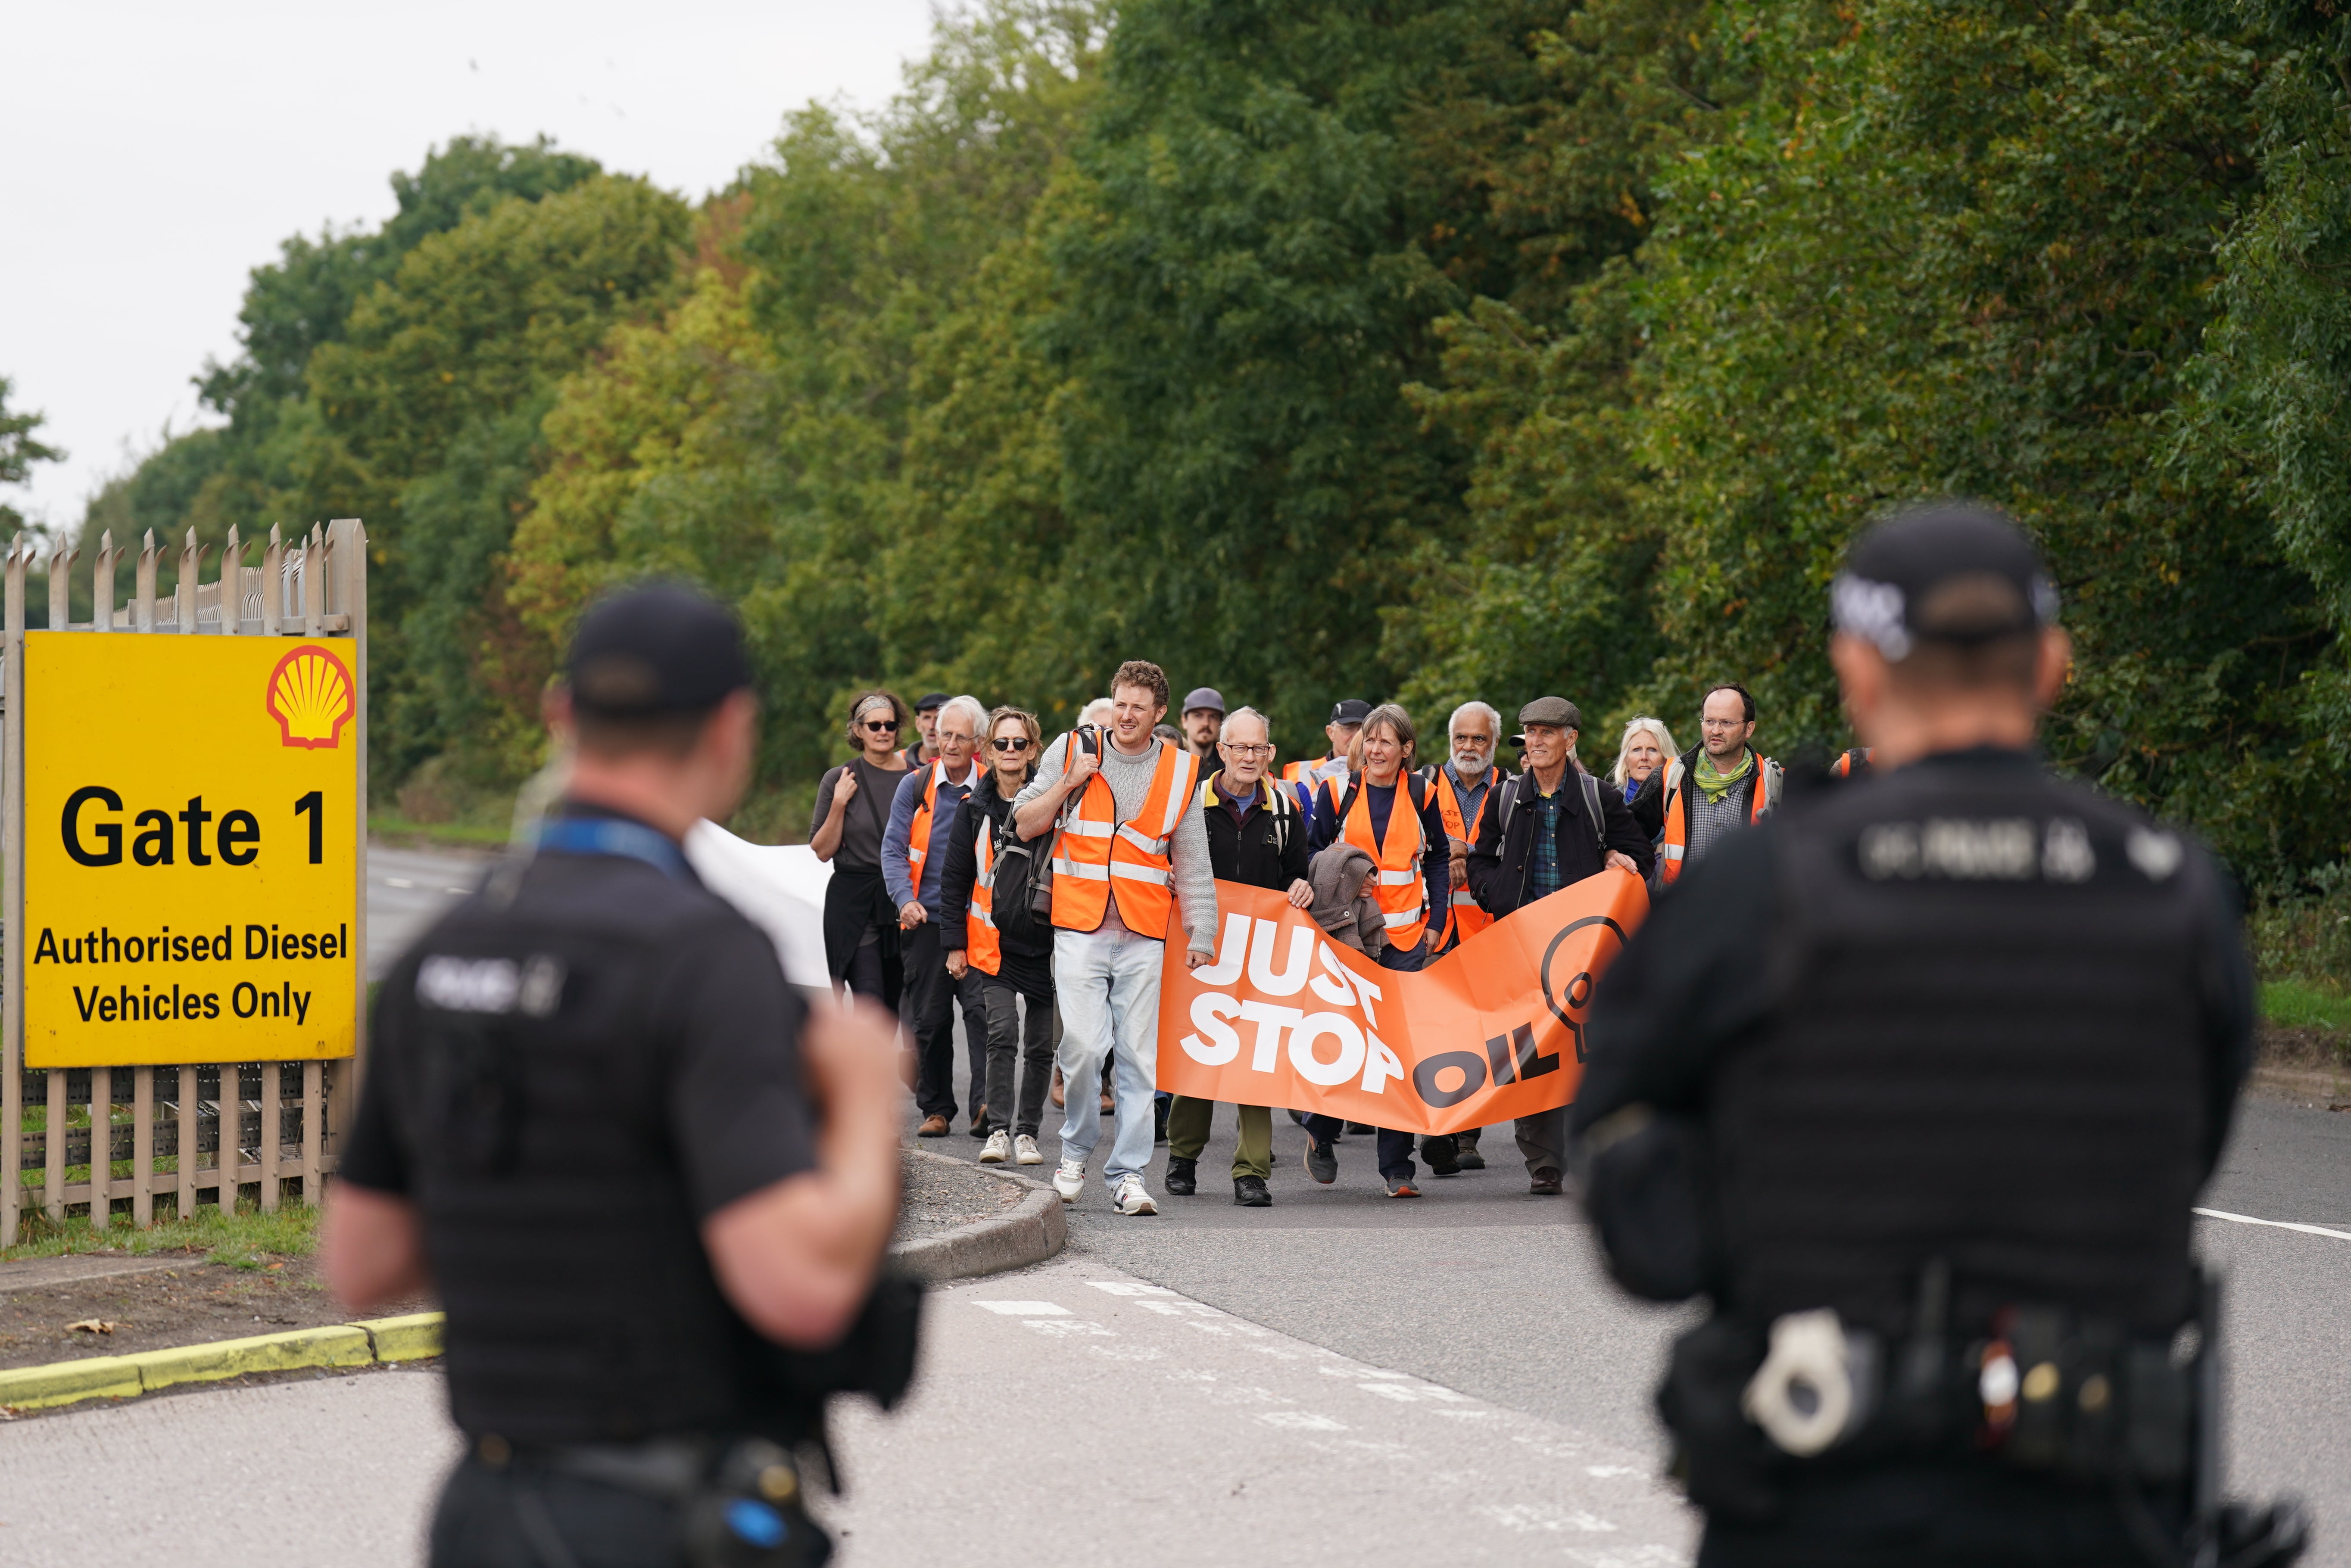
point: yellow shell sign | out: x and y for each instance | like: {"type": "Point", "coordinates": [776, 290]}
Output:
{"type": "Point", "coordinates": [191, 850]}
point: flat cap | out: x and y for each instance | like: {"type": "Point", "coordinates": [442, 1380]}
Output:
{"type": "Point", "coordinates": [1951, 572]}
{"type": "Point", "coordinates": [1556, 711]}
{"type": "Point", "coordinates": [1207, 697]}
{"type": "Point", "coordinates": [661, 648]}
{"type": "Point", "coordinates": [1353, 711]}
{"type": "Point", "coordinates": [929, 700]}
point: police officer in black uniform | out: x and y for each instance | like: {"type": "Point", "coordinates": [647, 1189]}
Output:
{"type": "Point", "coordinates": [650, 1187]}
{"type": "Point", "coordinates": [1918, 1082]}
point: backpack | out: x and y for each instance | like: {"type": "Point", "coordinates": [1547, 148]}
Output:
{"type": "Point", "coordinates": [1018, 868]}
{"type": "Point", "coordinates": [1591, 807]}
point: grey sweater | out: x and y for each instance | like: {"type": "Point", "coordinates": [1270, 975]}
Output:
{"type": "Point", "coordinates": [1130, 781]}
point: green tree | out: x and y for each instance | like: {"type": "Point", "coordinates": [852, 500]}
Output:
{"type": "Point", "coordinates": [19, 450]}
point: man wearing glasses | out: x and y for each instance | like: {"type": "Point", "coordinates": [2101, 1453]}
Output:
{"type": "Point", "coordinates": [1716, 787]}
{"type": "Point", "coordinates": [1256, 838]}
{"type": "Point", "coordinates": [922, 820]}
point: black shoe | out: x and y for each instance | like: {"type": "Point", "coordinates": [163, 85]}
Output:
{"type": "Point", "coordinates": [1467, 1156]}
{"type": "Point", "coordinates": [1159, 1122]}
{"type": "Point", "coordinates": [1322, 1163]}
{"type": "Point", "coordinates": [1360, 1127]}
{"type": "Point", "coordinates": [1546, 1183]}
{"type": "Point", "coordinates": [1439, 1151]}
{"type": "Point", "coordinates": [1249, 1192]}
{"type": "Point", "coordinates": [1179, 1179]}
{"type": "Point", "coordinates": [979, 1127]}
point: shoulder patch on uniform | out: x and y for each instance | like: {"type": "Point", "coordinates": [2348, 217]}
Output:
{"type": "Point", "coordinates": [2066, 852]}
{"type": "Point", "coordinates": [2156, 854]}
{"type": "Point", "coordinates": [491, 984]}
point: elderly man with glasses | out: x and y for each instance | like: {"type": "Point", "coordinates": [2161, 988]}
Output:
{"type": "Point", "coordinates": [914, 856]}
{"type": "Point", "coordinates": [1256, 838]}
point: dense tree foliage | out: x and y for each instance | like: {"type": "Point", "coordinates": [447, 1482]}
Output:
{"type": "Point", "coordinates": [1436, 348]}
{"type": "Point", "coordinates": [19, 450]}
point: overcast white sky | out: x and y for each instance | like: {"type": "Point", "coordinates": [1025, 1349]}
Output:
{"type": "Point", "coordinates": [155, 153]}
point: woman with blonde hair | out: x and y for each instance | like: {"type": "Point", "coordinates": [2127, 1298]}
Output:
{"type": "Point", "coordinates": [1647, 746]}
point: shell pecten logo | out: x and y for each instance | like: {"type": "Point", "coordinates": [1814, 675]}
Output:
{"type": "Point", "coordinates": [310, 696]}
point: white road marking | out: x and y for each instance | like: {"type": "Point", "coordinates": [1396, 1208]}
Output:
{"type": "Point", "coordinates": [1301, 1422]}
{"type": "Point", "coordinates": [2276, 1224]}
{"type": "Point", "coordinates": [1122, 1288]}
{"type": "Point", "coordinates": [1024, 1309]}
{"type": "Point", "coordinates": [398, 882]}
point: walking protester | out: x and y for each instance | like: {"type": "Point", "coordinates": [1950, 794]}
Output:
{"type": "Point", "coordinates": [1641, 755]}
{"type": "Point", "coordinates": [1464, 782]}
{"type": "Point", "coordinates": [1389, 813]}
{"type": "Point", "coordinates": [1204, 717]}
{"type": "Point", "coordinates": [922, 820]}
{"type": "Point", "coordinates": [1305, 777]}
{"type": "Point", "coordinates": [1258, 839]}
{"type": "Point", "coordinates": [1125, 812]}
{"type": "Point", "coordinates": [1717, 786]}
{"type": "Point", "coordinates": [987, 930]}
{"type": "Point", "coordinates": [852, 812]}
{"type": "Point", "coordinates": [1549, 828]}
{"type": "Point", "coordinates": [926, 721]}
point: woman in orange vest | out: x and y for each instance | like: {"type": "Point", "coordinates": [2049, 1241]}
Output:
{"type": "Point", "coordinates": [1382, 809]}
{"type": "Point", "coordinates": [984, 924]}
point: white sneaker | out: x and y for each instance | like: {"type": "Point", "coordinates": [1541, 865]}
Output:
{"type": "Point", "coordinates": [1026, 1152]}
{"type": "Point", "coordinates": [1069, 1179]}
{"type": "Point", "coordinates": [997, 1149]}
{"type": "Point", "coordinates": [1134, 1197]}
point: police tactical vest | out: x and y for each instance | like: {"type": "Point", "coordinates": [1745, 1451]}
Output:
{"type": "Point", "coordinates": [581, 1307]}
{"type": "Point", "coordinates": [1986, 1045]}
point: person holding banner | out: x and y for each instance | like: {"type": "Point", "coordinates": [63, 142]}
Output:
{"type": "Point", "coordinates": [1931, 1149]}
{"type": "Point", "coordinates": [1389, 813]}
{"type": "Point", "coordinates": [1463, 784]}
{"type": "Point", "coordinates": [1549, 828]}
{"type": "Point", "coordinates": [1129, 855]}
{"type": "Point", "coordinates": [1258, 839]}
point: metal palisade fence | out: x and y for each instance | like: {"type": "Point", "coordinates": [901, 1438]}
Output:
{"type": "Point", "coordinates": [181, 1131]}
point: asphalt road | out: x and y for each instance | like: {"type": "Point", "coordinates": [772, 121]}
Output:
{"type": "Point", "coordinates": [406, 891]}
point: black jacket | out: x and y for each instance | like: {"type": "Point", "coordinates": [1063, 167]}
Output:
{"type": "Point", "coordinates": [962, 865]}
{"type": "Point", "coordinates": [1245, 852]}
{"type": "Point", "coordinates": [1500, 859]}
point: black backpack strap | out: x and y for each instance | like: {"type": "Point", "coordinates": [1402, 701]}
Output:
{"type": "Point", "coordinates": [1592, 808]}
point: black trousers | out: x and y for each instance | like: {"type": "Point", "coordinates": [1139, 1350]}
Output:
{"type": "Point", "coordinates": [506, 1518]}
{"type": "Point", "coordinates": [1394, 1148]}
{"type": "Point", "coordinates": [932, 996]}
{"type": "Point", "coordinates": [1013, 1044]}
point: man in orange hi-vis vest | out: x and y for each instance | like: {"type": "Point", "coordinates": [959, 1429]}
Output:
{"type": "Point", "coordinates": [1130, 856]}
{"type": "Point", "coordinates": [922, 819]}
{"type": "Point", "coordinates": [1463, 784]}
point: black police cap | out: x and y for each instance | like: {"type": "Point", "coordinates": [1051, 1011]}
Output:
{"type": "Point", "coordinates": [662, 648]}
{"type": "Point", "coordinates": [1951, 572]}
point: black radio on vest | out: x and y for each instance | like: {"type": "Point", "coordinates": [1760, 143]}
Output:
{"type": "Point", "coordinates": [577, 1075]}
{"type": "Point", "coordinates": [1918, 1081]}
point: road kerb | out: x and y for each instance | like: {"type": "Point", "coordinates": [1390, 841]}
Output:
{"type": "Point", "coordinates": [1031, 1232]}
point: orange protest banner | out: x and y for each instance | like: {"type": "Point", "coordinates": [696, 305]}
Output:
{"type": "Point", "coordinates": [1493, 1030]}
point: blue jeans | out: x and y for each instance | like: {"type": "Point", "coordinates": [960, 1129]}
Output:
{"type": "Point", "coordinates": [1107, 984]}
{"type": "Point", "coordinates": [1394, 1148]}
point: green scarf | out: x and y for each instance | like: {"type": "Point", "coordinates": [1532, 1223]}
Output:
{"type": "Point", "coordinates": [1718, 784]}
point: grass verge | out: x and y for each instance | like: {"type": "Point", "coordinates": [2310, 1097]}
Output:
{"type": "Point", "coordinates": [245, 1239]}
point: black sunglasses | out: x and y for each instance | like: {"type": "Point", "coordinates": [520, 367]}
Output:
{"type": "Point", "coordinates": [882, 726]}
{"type": "Point", "coordinates": [1011, 743]}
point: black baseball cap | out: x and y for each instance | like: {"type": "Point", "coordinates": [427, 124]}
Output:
{"type": "Point", "coordinates": [661, 648]}
{"type": "Point", "coordinates": [1353, 711]}
{"type": "Point", "coordinates": [929, 700]}
{"type": "Point", "coordinates": [1956, 571]}
{"type": "Point", "coordinates": [1207, 697]}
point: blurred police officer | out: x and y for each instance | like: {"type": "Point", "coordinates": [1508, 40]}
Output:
{"type": "Point", "coordinates": [629, 1161]}
{"type": "Point", "coordinates": [1918, 1082]}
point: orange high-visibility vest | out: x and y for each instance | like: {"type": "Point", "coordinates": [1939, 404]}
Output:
{"type": "Point", "coordinates": [1095, 854]}
{"type": "Point", "coordinates": [1466, 915]}
{"type": "Point", "coordinates": [981, 944]}
{"type": "Point", "coordinates": [1676, 844]}
{"type": "Point", "coordinates": [1403, 900]}
{"type": "Point", "coordinates": [918, 832]}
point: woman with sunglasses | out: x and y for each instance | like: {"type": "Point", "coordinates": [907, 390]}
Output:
{"type": "Point", "coordinates": [853, 809]}
{"type": "Point", "coordinates": [984, 924]}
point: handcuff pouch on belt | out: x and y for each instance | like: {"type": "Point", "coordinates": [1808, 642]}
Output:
{"type": "Point", "coordinates": [2047, 1391]}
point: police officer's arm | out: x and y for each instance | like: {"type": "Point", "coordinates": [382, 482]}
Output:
{"type": "Point", "coordinates": [370, 1239]}
{"type": "Point", "coordinates": [1691, 984]}
{"type": "Point", "coordinates": [1621, 832]}
{"type": "Point", "coordinates": [897, 869]}
{"type": "Point", "coordinates": [1486, 853]}
{"type": "Point", "coordinates": [785, 1120]}
{"type": "Point", "coordinates": [958, 872]}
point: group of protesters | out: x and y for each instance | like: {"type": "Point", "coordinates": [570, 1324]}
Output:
{"type": "Point", "coordinates": [1030, 885]}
